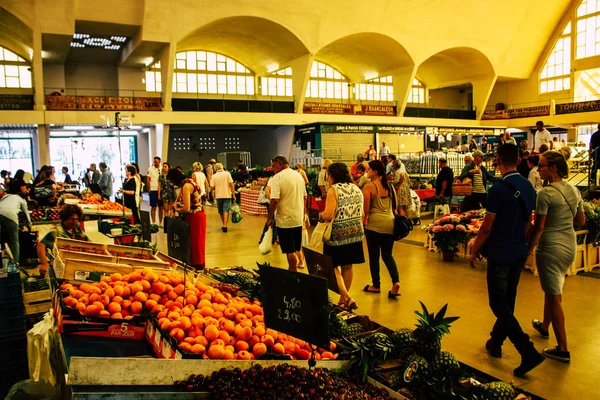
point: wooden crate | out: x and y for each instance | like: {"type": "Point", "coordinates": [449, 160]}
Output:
{"type": "Point", "coordinates": [154, 264]}
{"type": "Point", "coordinates": [593, 255]}
{"type": "Point", "coordinates": [128, 249]}
{"type": "Point", "coordinates": [78, 255]}
{"type": "Point", "coordinates": [78, 270]}
{"type": "Point", "coordinates": [77, 243]}
{"type": "Point", "coordinates": [38, 301]}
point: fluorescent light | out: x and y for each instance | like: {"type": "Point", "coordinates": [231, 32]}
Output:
{"type": "Point", "coordinates": [135, 127]}
{"type": "Point", "coordinates": [80, 36]}
{"type": "Point", "coordinates": [121, 39]}
{"type": "Point", "coordinates": [112, 47]}
{"type": "Point", "coordinates": [79, 128]}
{"type": "Point", "coordinates": [76, 44]}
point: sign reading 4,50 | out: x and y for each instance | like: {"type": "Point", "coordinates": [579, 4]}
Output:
{"type": "Point", "coordinates": [287, 315]}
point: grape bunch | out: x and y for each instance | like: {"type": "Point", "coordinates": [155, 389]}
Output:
{"type": "Point", "coordinates": [226, 287]}
{"type": "Point", "coordinates": [280, 382]}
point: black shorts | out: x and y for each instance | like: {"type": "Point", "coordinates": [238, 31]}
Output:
{"type": "Point", "coordinates": [290, 239]}
{"type": "Point", "coordinates": [154, 199]}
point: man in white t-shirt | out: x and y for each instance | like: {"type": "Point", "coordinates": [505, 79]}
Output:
{"type": "Point", "coordinates": [542, 136]}
{"type": "Point", "coordinates": [222, 183]}
{"type": "Point", "coordinates": [384, 152]}
{"type": "Point", "coordinates": [288, 199]}
{"type": "Point", "coordinates": [152, 181]}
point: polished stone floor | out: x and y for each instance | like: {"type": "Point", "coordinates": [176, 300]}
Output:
{"type": "Point", "coordinates": [425, 277]}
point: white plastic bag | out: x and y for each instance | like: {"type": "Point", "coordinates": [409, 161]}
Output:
{"type": "Point", "coordinates": [266, 246]}
{"type": "Point", "coordinates": [39, 348]}
{"type": "Point", "coordinates": [440, 210]}
{"type": "Point", "coordinates": [304, 236]}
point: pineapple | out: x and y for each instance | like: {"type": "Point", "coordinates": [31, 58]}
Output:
{"type": "Point", "coordinates": [497, 391]}
{"type": "Point", "coordinates": [396, 379]}
{"type": "Point", "coordinates": [415, 370]}
{"type": "Point", "coordinates": [402, 339]}
{"type": "Point", "coordinates": [354, 329]}
{"type": "Point", "coordinates": [337, 326]}
{"type": "Point", "coordinates": [429, 331]}
{"type": "Point", "coordinates": [444, 364]}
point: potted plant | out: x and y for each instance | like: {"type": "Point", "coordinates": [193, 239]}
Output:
{"type": "Point", "coordinates": [448, 233]}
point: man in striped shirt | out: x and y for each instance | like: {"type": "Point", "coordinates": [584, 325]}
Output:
{"type": "Point", "coordinates": [480, 177]}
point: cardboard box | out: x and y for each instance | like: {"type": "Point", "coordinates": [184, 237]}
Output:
{"type": "Point", "coordinates": [70, 321]}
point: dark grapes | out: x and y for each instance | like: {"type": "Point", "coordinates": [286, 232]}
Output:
{"type": "Point", "coordinates": [280, 382]}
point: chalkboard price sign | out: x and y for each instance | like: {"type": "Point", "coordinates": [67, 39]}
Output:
{"type": "Point", "coordinates": [296, 304]}
{"type": "Point", "coordinates": [178, 239]}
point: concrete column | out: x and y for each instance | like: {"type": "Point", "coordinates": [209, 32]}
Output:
{"type": "Point", "coordinates": [38, 71]}
{"type": "Point", "coordinates": [164, 151]}
{"type": "Point", "coordinates": [482, 89]}
{"type": "Point", "coordinates": [41, 147]}
{"type": "Point", "coordinates": [402, 80]}
{"type": "Point", "coordinates": [167, 59]}
{"type": "Point", "coordinates": [300, 76]}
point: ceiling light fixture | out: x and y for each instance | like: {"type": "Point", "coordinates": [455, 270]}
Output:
{"type": "Point", "coordinates": [79, 128]}
{"type": "Point", "coordinates": [76, 44]}
{"type": "Point", "coordinates": [82, 40]}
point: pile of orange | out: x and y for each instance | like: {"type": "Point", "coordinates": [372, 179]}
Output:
{"type": "Point", "coordinates": [202, 319]}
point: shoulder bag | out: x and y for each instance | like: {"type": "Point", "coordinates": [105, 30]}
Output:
{"type": "Point", "coordinates": [262, 197]}
{"type": "Point", "coordinates": [402, 225]}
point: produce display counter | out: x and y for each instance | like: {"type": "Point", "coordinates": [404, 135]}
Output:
{"type": "Point", "coordinates": [249, 203]}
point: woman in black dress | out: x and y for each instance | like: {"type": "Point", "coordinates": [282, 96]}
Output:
{"type": "Point", "coordinates": [129, 192]}
{"type": "Point", "coordinates": [17, 184]}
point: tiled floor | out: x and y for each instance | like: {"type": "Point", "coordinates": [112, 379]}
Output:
{"type": "Point", "coordinates": [424, 277]}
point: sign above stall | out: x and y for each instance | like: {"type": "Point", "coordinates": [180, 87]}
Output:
{"type": "Point", "coordinates": [348, 129]}
{"type": "Point", "coordinates": [348, 109]}
{"type": "Point", "coordinates": [398, 129]}
{"type": "Point", "coordinates": [582, 106]}
{"type": "Point", "coordinates": [116, 103]}
{"type": "Point", "coordinates": [523, 112]}
{"type": "Point", "coordinates": [464, 131]}
{"type": "Point", "coordinates": [16, 102]}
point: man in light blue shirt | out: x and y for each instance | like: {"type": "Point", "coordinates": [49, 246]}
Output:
{"type": "Point", "coordinates": [105, 182]}
{"type": "Point", "coordinates": [10, 207]}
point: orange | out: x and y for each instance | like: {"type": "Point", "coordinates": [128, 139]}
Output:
{"type": "Point", "coordinates": [246, 333]}
{"type": "Point", "coordinates": [259, 349]}
{"type": "Point", "coordinates": [240, 317]}
{"type": "Point", "coordinates": [198, 348]}
{"type": "Point", "coordinates": [136, 307]}
{"type": "Point", "coordinates": [207, 311]}
{"type": "Point", "coordinates": [110, 292]}
{"type": "Point", "coordinates": [249, 315]}
{"type": "Point", "coordinates": [230, 312]}
{"type": "Point", "coordinates": [146, 285]}
{"type": "Point", "coordinates": [242, 345]}
{"type": "Point", "coordinates": [278, 348]}
{"type": "Point", "coordinates": [187, 311]}
{"type": "Point", "coordinates": [173, 325]}
{"type": "Point", "coordinates": [290, 347]}
{"type": "Point", "coordinates": [244, 355]}
{"type": "Point", "coordinates": [116, 277]}
{"type": "Point", "coordinates": [117, 316]}
{"type": "Point", "coordinates": [178, 334]}
{"type": "Point", "coordinates": [228, 326]}
{"type": "Point", "coordinates": [114, 308]}
{"type": "Point", "coordinates": [126, 292]}
{"type": "Point", "coordinates": [228, 355]}
{"type": "Point", "coordinates": [246, 323]}
{"type": "Point", "coordinates": [220, 299]}
{"type": "Point", "coordinates": [92, 310]}
{"type": "Point", "coordinates": [119, 290]}
{"type": "Point", "coordinates": [172, 295]}
{"type": "Point", "coordinates": [204, 303]}
{"type": "Point", "coordinates": [211, 332]}
{"type": "Point", "coordinates": [81, 307]}
{"type": "Point", "coordinates": [189, 340]}
{"type": "Point", "coordinates": [162, 320]}
{"type": "Point", "coordinates": [302, 354]}
{"type": "Point", "coordinates": [70, 301]}
{"type": "Point", "coordinates": [189, 292]}
{"type": "Point", "coordinates": [104, 314]}
{"type": "Point", "coordinates": [154, 296]}
{"type": "Point", "coordinates": [177, 279]}
{"type": "Point", "coordinates": [126, 304]}
{"type": "Point", "coordinates": [327, 355]}
{"type": "Point", "coordinates": [185, 346]}
{"type": "Point", "coordinates": [218, 314]}
{"type": "Point", "coordinates": [105, 279]}
{"type": "Point", "coordinates": [124, 313]}
{"type": "Point", "coordinates": [194, 332]}
{"type": "Point", "coordinates": [218, 342]}
{"type": "Point", "coordinates": [99, 305]}
{"type": "Point", "coordinates": [174, 315]}
{"type": "Point", "coordinates": [201, 340]}
{"type": "Point", "coordinates": [117, 299]}
{"type": "Point", "coordinates": [267, 340]}
{"type": "Point", "coordinates": [216, 352]}
{"type": "Point", "coordinates": [224, 336]}
{"type": "Point", "coordinates": [93, 290]}
{"type": "Point", "coordinates": [150, 304]}
{"type": "Point", "coordinates": [159, 287]}
{"type": "Point", "coordinates": [151, 277]}
{"type": "Point", "coordinates": [104, 299]}
{"type": "Point", "coordinates": [206, 296]}
{"type": "Point", "coordinates": [273, 333]}
{"type": "Point", "coordinates": [198, 322]}
{"type": "Point", "coordinates": [164, 279]}
{"type": "Point", "coordinates": [77, 294]}
{"type": "Point", "coordinates": [256, 310]}
{"type": "Point", "coordinates": [260, 331]}
{"type": "Point", "coordinates": [186, 324]}
{"type": "Point", "coordinates": [191, 299]}
{"type": "Point", "coordinates": [253, 341]}
{"type": "Point", "coordinates": [179, 289]}
{"type": "Point", "coordinates": [126, 278]}
{"type": "Point", "coordinates": [141, 297]}
{"type": "Point", "coordinates": [135, 276]}
{"type": "Point", "coordinates": [137, 287]}
{"type": "Point", "coordinates": [94, 297]}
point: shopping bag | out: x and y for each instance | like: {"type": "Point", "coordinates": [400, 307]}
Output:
{"type": "Point", "coordinates": [236, 213]}
{"type": "Point", "coordinates": [39, 346]}
{"type": "Point", "coordinates": [322, 233]}
{"type": "Point", "coordinates": [305, 239]}
{"type": "Point", "coordinates": [440, 210]}
{"type": "Point", "coordinates": [262, 197]}
{"type": "Point", "coordinates": [266, 245]}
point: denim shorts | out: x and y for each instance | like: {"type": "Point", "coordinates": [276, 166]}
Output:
{"type": "Point", "coordinates": [223, 205]}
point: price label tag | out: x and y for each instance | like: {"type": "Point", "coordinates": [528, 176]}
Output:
{"type": "Point", "coordinates": [167, 352]}
{"type": "Point", "coordinates": [178, 239]}
{"type": "Point", "coordinates": [296, 304]}
{"type": "Point", "coordinates": [157, 338]}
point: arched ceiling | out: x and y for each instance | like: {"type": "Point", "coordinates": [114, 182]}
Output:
{"type": "Point", "coordinates": [454, 66]}
{"type": "Point", "coordinates": [258, 43]}
{"type": "Point", "coordinates": [365, 54]}
{"type": "Point", "coordinates": [15, 35]}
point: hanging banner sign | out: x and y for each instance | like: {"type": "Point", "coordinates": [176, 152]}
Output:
{"type": "Point", "coordinates": [582, 106]}
{"type": "Point", "coordinates": [83, 103]}
{"type": "Point", "coordinates": [16, 102]}
{"type": "Point", "coordinates": [348, 109]}
{"type": "Point", "coordinates": [348, 129]}
{"type": "Point", "coordinates": [396, 129]}
{"type": "Point", "coordinates": [524, 112]}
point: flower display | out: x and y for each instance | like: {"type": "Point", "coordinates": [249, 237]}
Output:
{"type": "Point", "coordinates": [448, 232]}
{"type": "Point", "coordinates": [591, 210]}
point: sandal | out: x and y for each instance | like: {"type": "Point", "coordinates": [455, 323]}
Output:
{"type": "Point", "coordinates": [371, 289]}
{"type": "Point", "coordinates": [394, 295]}
{"type": "Point", "coordinates": [300, 266]}
{"type": "Point", "coordinates": [351, 304]}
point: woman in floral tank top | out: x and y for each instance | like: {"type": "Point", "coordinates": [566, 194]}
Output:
{"type": "Point", "coordinates": [166, 190]}
{"type": "Point", "coordinates": [189, 204]}
{"type": "Point", "coordinates": [344, 208]}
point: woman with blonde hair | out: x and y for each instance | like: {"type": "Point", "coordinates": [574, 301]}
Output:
{"type": "Point", "coordinates": [200, 179]}
{"type": "Point", "coordinates": [401, 182]}
{"type": "Point", "coordinates": [559, 209]}
{"type": "Point", "coordinates": [300, 168]}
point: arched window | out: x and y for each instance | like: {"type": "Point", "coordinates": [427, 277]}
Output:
{"type": "Point", "coordinates": [14, 70]}
{"type": "Point", "coordinates": [556, 74]}
{"type": "Point", "coordinates": [326, 82]}
{"type": "Point", "coordinates": [417, 92]}
{"type": "Point", "coordinates": [378, 89]}
{"type": "Point", "coordinates": [206, 72]}
{"type": "Point", "coordinates": [278, 83]}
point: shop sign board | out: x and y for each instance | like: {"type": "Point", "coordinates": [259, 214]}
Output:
{"type": "Point", "coordinates": [296, 304]}
{"type": "Point", "coordinates": [178, 239]}
{"type": "Point", "coordinates": [582, 106]}
{"type": "Point", "coordinates": [348, 109]}
{"type": "Point", "coordinates": [83, 103]}
{"type": "Point", "coordinates": [16, 102]}
{"type": "Point", "coordinates": [396, 129]}
{"type": "Point", "coordinates": [348, 129]}
{"type": "Point", "coordinates": [523, 112]}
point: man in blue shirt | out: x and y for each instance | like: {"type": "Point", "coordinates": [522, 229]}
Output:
{"type": "Point", "coordinates": [503, 232]}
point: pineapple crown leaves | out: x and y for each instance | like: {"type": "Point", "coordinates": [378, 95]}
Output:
{"type": "Point", "coordinates": [434, 323]}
